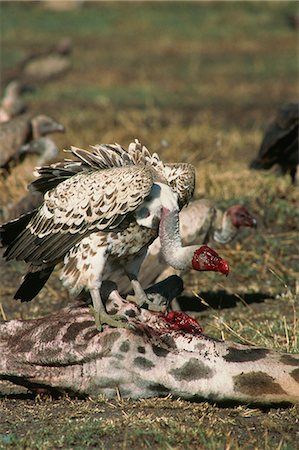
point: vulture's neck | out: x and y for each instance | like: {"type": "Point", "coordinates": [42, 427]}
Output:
{"type": "Point", "coordinates": [226, 231]}
{"type": "Point", "coordinates": [173, 252]}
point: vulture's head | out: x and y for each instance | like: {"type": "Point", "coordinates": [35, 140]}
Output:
{"type": "Point", "coordinates": [44, 125]}
{"type": "Point", "coordinates": [206, 259]}
{"type": "Point", "coordinates": [240, 217]}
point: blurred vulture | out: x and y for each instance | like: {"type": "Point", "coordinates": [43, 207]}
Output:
{"type": "Point", "coordinates": [43, 65]}
{"type": "Point", "coordinates": [24, 129]}
{"type": "Point", "coordinates": [47, 151]}
{"type": "Point", "coordinates": [13, 103]}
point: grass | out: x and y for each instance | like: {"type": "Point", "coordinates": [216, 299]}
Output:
{"type": "Point", "coordinates": [155, 423]}
{"type": "Point", "coordinates": [195, 82]}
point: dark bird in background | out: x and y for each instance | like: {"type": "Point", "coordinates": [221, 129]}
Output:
{"type": "Point", "coordinates": [293, 21]}
{"type": "Point", "coordinates": [15, 134]}
{"type": "Point", "coordinates": [280, 143]}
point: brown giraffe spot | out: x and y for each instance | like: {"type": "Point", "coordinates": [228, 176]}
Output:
{"type": "Point", "coordinates": [141, 349]}
{"type": "Point", "coordinates": [23, 341]}
{"type": "Point", "coordinates": [295, 374]}
{"type": "Point", "coordinates": [52, 354]}
{"type": "Point", "coordinates": [289, 360]}
{"type": "Point", "coordinates": [49, 333]}
{"type": "Point", "coordinates": [107, 342]}
{"type": "Point", "coordinates": [168, 341]}
{"type": "Point", "coordinates": [130, 313]}
{"type": "Point", "coordinates": [90, 334]}
{"type": "Point", "coordinates": [125, 346]}
{"type": "Point", "coordinates": [143, 363]}
{"type": "Point", "coordinates": [23, 345]}
{"type": "Point", "coordinates": [192, 370]}
{"type": "Point", "coordinates": [250, 354]}
{"type": "Point", "coordinates": [75, 328]}
{"type": "Point", "coordinates": [256, 384]}
{"type": "Point", "coordinates": [159, 351]}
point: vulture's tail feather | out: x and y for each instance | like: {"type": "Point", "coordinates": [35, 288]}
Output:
{"type": "Point", "coordinates": [10, 231]}
{"type": "Point", "coordinates": [32, 283]}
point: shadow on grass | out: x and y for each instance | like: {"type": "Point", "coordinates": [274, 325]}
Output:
{"type": "Point", "coordinates": [219, 300]}
{"type": "Point", "coordinates": [223, 404]}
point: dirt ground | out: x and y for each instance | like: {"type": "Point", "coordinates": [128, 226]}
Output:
{"type": "Point", "coordinates": [196, 82]}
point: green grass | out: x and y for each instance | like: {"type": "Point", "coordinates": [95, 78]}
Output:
{"type": "Point", "coordinates": [182, 19]}
{"type": "Point", "coordinates": [156, 423]}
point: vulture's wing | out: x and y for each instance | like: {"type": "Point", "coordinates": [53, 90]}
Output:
{"type": "Point", "coordinates": [12, 135]}
{"type": "Point", "coordinates": [101, 156]}
{"type": "Point", "coordinates": [89, 201]}
{"type": "Point", "coordinates": [280, 142]}
{"type": "Point", "coordinates": [282, 131]}
{"type": "Point", "coordinates": [48, 177]}
{"type": "Point", "coordinates": [181, 179]}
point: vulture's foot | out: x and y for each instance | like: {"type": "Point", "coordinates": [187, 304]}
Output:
{"type": "Point", "coordinates": [101, 315]}
{"type": "Point", "coordinates": [113, 320]}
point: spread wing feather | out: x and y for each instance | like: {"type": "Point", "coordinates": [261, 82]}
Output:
{"type": "Point", "coordinates": [50, 176]}
{"type": "Point", "coordinates": [181, 178]}
{"type": "Point", "coordinates": [101, 156]}
{"type": "Point", "coordinates": [87, 202]}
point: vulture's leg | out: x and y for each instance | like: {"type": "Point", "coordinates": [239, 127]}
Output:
{"type": "Point", "coordinates": [83, 268]}
{"type": "Point", "coordinates": [139, 297]}
{"type": "Point", "coordinates": [102, 317]}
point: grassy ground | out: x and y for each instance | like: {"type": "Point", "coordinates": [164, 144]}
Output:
{"type": "Point", "coordinates": [195, 82]}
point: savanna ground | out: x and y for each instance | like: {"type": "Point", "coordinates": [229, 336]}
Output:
{"type": "Point", "coordinates": [196, 82]}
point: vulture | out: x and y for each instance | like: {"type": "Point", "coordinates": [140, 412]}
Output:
{"type": "Point", "coordinates": [43, 65]}
{"type": "Point", "coordinates": [280, 143]}
{"type": "Point", "coordinates": [102, 211]}
{"type": "Point", "coordinates": [200, 222]}
{"type": "Point", "coordinates": [12, 103]}
{"type": "Point", "coordinates": [45, 147]}
{"type": "Point", "coordinates": [15, 134]}
{"type": "Point", "coordinates": [48, 150]}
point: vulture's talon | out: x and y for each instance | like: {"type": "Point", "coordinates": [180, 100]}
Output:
{"type": "Point", "coordinates": [112, 320]}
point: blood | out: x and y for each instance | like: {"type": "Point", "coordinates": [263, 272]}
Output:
{"type": "Point", "coordinates": [180, 321]}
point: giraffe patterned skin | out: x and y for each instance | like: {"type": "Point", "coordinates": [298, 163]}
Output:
{"type": "Point", "coordinates": [164, 354]}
